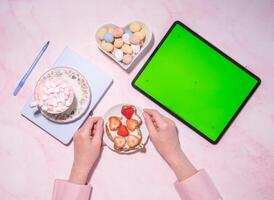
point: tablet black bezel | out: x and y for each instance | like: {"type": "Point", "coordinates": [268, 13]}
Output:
{"type": "Point", "coordinates": [219, 51]}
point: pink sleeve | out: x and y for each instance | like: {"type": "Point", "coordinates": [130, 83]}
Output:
{"type": "Point", "coordinates": [199, 186]}
{"type": "Point", "coordinates": [64, 190]}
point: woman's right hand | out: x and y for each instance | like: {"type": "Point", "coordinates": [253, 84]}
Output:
{"type": "Point", "coordinates": [164, 136]}
{"type": "Point", "coordinates": [87, 149]}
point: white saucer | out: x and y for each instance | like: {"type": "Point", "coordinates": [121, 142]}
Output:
{"type": "Point", "coordinates": [81, 90]}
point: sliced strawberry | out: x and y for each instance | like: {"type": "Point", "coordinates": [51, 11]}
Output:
{"type": "Point", "coordinates": [127, 111]}
{"type": "Point", "coordinates": [122, 131]}
{"type": "Point", "coordinates": [114, 123]}
{"type": "Point", "coordinates": [119, 142]}
{"type": "Point", "coordinates": [133, 141]}
{"type": "Point", "coordinates": [132, 124]}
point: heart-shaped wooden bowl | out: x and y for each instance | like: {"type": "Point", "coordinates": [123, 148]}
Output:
{"type": "Point", "coordinates": [147, 44]}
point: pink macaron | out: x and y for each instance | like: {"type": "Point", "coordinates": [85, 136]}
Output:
{"type": "Point", "coordinates": [134, 39]}
{"type": "Point", "coordinates": [127, 59]}
{"type": "Point", "coordinates": [117, 32]}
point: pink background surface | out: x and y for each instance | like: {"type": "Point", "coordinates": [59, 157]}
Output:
{"type": "Point", "coordinates": [241, 165]}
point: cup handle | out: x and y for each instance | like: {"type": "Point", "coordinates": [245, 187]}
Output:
{"type": "Point", "coordinates": [34, 104]}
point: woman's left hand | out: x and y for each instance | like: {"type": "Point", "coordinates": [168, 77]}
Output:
{"type": "Point", "coordinates": [87, 148]}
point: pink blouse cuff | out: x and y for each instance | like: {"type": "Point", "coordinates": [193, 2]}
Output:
{"type": "Point", "coordinates": [199, 186]}
{"type": "Point", "coordinates": [69, 191]}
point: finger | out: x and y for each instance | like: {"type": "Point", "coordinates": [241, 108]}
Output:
{"type": "Point", "coordinates": [149, 123]}
{"type": "Point", "coordinates": [156, 116]}
{"type": "Point", "coordinates": [98, 131]}
{"type": "Point", "coordinates": [88, 125]}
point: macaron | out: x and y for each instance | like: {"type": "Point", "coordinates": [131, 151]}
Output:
{"type": "Point", "coordinates": [108, 37]}
{"type": "Point", "coordinates": [118, 54]}
{"type": "Point", "coordinates": [135, 27]}
{"type": "Point", "coordinates": [125, 38]}
{"type": "Point", "coordinates": [135, 48]}
{"type": "Point", "coordinates": [118, 43]}
{"type": "Point", "coordinates": [127, 59]}
{"type": "Point", "coordinates": [110, 29]}
{"type": "Point", "coordinates": [113, 50]}
{"type": "Point", "coordinates": [107, 46]}
{"type": "Point", "coordinates": [134, 39]}
{"type": "Point", "coordinates": [117, 32]}
{"type": "Point", "coordinates": [127, 49]}
{"type": "Point", "coordinates": [100, 33]}
{"type": "Point", "coordinates": [141, 34]}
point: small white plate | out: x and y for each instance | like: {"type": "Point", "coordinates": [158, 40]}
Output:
{"type": "Point", "coordinates": [81, 91]}
{"type": "Point", "coordinates": [116, 111]}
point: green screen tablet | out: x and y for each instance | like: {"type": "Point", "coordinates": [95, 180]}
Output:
{"type": "Point", "coordinates": [196, 82]}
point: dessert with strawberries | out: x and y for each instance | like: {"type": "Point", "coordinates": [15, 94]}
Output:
{"type": "Point", "coordinates": [124, 129]}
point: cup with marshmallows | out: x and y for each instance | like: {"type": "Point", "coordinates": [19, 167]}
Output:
{"type": "Point", "coordinates": [53, 96]}
{"type": "Point", "coordinates": [123, 44]}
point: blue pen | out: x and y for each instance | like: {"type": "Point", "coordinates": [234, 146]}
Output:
{"type": "Point", "coordinates": [23, 80]}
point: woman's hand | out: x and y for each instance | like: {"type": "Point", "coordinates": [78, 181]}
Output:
{"type": "Point", "coordinates": [164, 136]}
{"type": "Point", "coordinates": [87, 148]}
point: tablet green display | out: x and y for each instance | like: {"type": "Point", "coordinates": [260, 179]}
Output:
{"type": "Point", "coordinates": [196, 82]}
